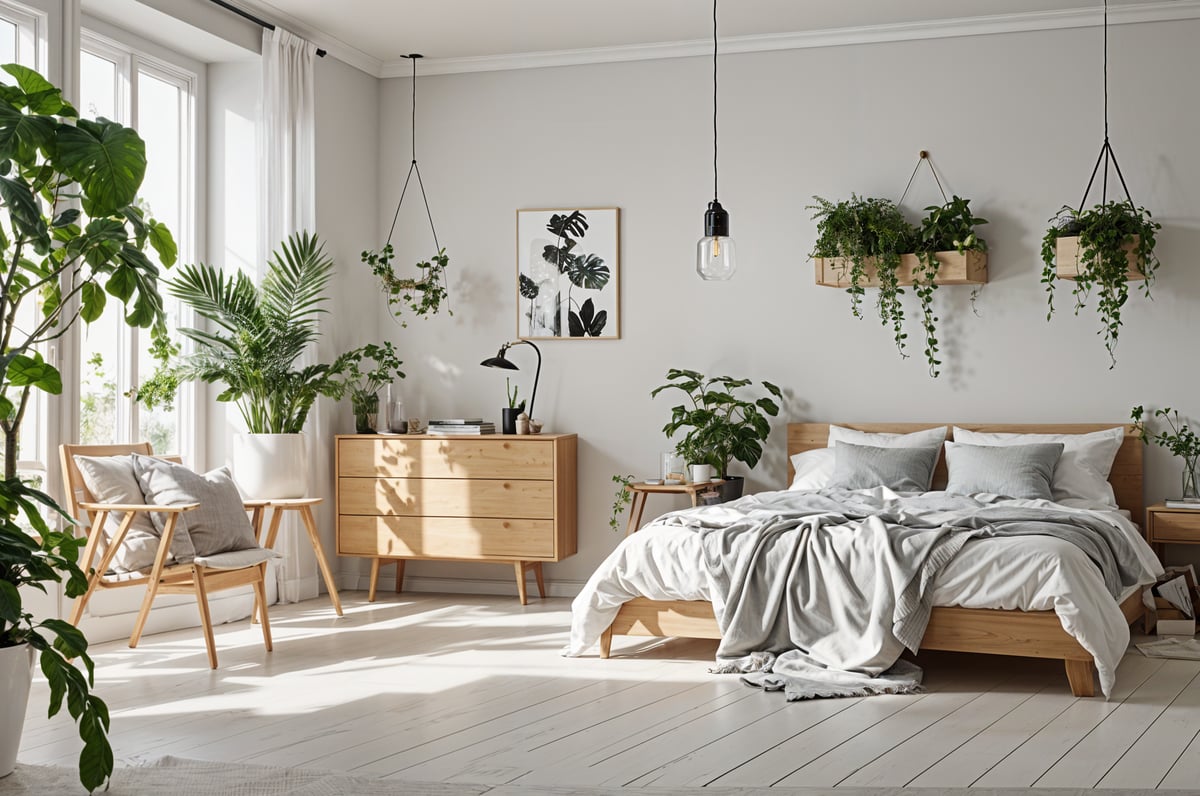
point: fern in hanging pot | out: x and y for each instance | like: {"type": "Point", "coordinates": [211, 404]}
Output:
{"type": "Point", "coordinates": [1102, 249]}
{"type": "Point", "coordinates": [863, 239]}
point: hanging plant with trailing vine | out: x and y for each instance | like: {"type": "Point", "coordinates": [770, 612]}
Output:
{"type": "Point", "coordinates": [420, 295]}
{"type": "Point", "coordinates": [1107, 234]}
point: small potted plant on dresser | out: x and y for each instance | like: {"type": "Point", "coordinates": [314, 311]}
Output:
{"type": "Point", "coordinates": [720, 426]}
{"type": "Point", "coordinates": [364, 387]}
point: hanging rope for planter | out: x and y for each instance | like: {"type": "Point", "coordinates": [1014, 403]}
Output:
{"type": "Point", "coordinates": [923, 157]}
{"type": "Point", "coordinates": [424, 295]}
{"type": "Point", "coordinates": [1107, 155]}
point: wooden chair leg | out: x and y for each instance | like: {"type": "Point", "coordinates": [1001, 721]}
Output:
{"type": "Point", "coordinates": [205, 617]}
{"type": "Point", "coordinates": [1079, 675]}
{"type": "Point", "coordinates": [310, 525]}
{"type": "Point", "coordinates": [537, 573]}
{"type": "Point", "coordinates": [519, 566]}
{"type": "Point", "coordinates": [399, 575]}
{"type": "Point", "coordinates": [260, 606]}
{"type": "Point", "coordinates": [160, 561]}
{"type": "Point", "coordinates": [606, 642]}
{"type": "Point", "coordinates": [374, 580]}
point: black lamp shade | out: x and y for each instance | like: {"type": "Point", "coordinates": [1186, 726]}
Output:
{"type": "Point", "coordinates": [716, 221]}
{"type": "Point", "coordinates": [499, 361]}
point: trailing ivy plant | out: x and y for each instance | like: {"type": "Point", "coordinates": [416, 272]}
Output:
{"type": "Point", "coordinates": [622, 499]}
{"type": "Point", "coordinates": [945, 228]}
{"type": "Point", "coordinates": [1104, 232]}
{"type": "Point", "coordinates": [866, 230]}
{"type": "Point", "coordinates": [423, 295]}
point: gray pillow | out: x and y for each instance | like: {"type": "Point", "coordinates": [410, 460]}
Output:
{"type": "Point", "coordinates": [111, 479]}
{"type": "Point", "coordinates": [219, 525]}
{"type": "Point", "coordinates": [1015, 471]}
{"type": "Point", "coordinates": [899, 469]}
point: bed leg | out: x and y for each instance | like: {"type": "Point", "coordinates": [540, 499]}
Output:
{"type": "Point", "coordinates": [606, 642]}
{"type": "Point", "coordinates": [1079, 675]}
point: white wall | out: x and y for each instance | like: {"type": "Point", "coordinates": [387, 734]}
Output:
{"type": "Point", "coordinates": [1012, 121]}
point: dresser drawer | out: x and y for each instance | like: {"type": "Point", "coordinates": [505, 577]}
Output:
{"type": "Point", "coordinates": [446, 497]}
{"type": "Point", "coordinates": [1175, 527]}
{"type": "Point", "coordinates": [445, 537]}
{"type": "Point", "coordinates": [446, 458]}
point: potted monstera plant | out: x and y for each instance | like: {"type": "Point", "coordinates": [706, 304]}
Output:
{"type": "Point", "coordinates": [59, 265]}
{"type": "Point", "coordinates": [719, 426]}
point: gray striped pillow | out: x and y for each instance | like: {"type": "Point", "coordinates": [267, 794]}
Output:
{"type": "Point", "coordinates": [1015, 471]}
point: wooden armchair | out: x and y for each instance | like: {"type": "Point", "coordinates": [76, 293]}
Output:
{"type": "Point", "coordinates": [191, 578]}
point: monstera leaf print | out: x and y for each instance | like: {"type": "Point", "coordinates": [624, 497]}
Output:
{"type": "Point", "coordinates": [588, 271]}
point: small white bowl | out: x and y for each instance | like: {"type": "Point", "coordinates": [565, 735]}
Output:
{"type": "Point", "coordinates": [653, 481]}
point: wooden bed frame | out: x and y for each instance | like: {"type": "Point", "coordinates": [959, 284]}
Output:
{"type": "Point", "coordinates": [1030, 634]}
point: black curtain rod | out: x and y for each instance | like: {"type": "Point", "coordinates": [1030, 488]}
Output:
{"type": "Point", "coordinates": [252, 18]}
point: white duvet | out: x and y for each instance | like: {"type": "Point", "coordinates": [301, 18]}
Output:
{"type": "Point", "coordinates": [1030, 573]}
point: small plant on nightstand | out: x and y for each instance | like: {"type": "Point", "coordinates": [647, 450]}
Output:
{"type": "Point", "coordinates": [1182, 442]}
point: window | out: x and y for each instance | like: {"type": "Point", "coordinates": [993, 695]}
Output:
{"type": "Point", "coordinates": [158, 99]}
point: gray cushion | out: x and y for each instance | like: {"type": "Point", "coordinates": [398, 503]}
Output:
{"type": "Point", "coordinates": [899, 469]}
{"type": "Point", "coordinates": [1016, 471]}
{"type": "Point", "coordinates": [219, 525]}
{"type": "Point", "coordinates": [237, 559]}
{"type": "Point", "coordinates": [111, 479]}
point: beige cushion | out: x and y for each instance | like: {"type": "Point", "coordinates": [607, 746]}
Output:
{"type": "Point", "coordinates": [237, 559]}
{"type": "Point", "coordinates": [111, 479]}
{"type": "Point", "coordinates": [219, 524]}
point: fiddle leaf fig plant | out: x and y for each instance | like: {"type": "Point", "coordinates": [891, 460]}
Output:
{"type": "Point", "coordinates": [718, 425]}
{"type": "Point", "coordinates": [1107, 233]}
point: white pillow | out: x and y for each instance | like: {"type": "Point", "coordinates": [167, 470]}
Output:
{"type": "Point", "coordinates": [814, 469]}
{"type": "Point", "coordinates": [929, 438]}
{"type": "Point", "coordinates": [1082, 472]}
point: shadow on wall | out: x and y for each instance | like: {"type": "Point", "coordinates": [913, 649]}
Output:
{"type": "Point", "coordinates": [478, 290]}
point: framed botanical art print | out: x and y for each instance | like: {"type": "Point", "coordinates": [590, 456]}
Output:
{"type": "Point", "coordinates": [568, 274]}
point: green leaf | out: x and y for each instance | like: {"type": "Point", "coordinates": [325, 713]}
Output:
{"type": "Point", "coordinates": [122, 282]}
{"type": "Point", "coordinates": [34, 371]}
{"type": "Point", "coordinates": [163, 243]}
{"type": "Point", "coordinates": [23, 208]}
{"type": "Point", "coordinates": [6, 408]}
{"type": "Point", "coordinates": [92, 300]}
{"type": "Point", "coordinates": [107, 159]}
{"type": "Point", "coordinates": [588, 271]}
{"type": "Point", "coordinates": [22, 136]}
{"type": "Point", "coordinates": [10, 603]}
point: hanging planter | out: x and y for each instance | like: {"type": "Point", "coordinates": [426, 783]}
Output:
{"type": "Point", "coordinates": [867, 243]}
{"type": "Point", "coordinates": [424, 293]}
{"type": "Point", "coordinates": [1104, 248]}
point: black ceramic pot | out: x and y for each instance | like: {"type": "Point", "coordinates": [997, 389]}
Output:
{"type": "Point", "coordinates": [508, 420]}
{"type": "Point", "coordinates": [732, 488]}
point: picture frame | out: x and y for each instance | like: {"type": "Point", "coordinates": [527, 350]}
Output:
{"type": "Point", "coordinates": [568, 273]}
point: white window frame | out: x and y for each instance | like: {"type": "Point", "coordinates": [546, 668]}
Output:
{"type": "Point", "coordinates": [31, 33]}
{"type": "Point", "coordinates": [134, 55]}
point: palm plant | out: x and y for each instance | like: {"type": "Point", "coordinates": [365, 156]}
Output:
{"type": "Point", "coordinates": [258, 335]}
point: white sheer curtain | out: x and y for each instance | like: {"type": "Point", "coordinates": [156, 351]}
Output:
{"type": "Point", "coordinates": [287, 203]}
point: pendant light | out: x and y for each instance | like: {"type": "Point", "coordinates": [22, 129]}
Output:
{"type": "Point", "coordinates": [715, 259]}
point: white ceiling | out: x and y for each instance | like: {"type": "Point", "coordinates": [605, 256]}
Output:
{"type": "Point", "coordinates": [444, 29]}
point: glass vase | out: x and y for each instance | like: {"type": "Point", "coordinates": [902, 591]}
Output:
{"type": "Point", "coordinates": [1189, 480]}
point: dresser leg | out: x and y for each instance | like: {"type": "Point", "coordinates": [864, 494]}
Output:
{"type": "Point", "coordinates": [519, 566]}
{"type": "Point", "coordinates": [374, 579]}
{"type": "Point", "coordinates": [537, 573]}
{"type": "Point", "coordinates": [399, 575]}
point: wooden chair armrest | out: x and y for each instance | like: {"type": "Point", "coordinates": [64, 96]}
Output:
{"type": "Point", "coordinates": [139, 507]}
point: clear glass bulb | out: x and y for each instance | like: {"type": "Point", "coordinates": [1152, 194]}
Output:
{"type": "Point", "coordinates": [715, 259]}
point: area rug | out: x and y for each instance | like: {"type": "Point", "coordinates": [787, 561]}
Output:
{"type": "Point", "coordinates": [175, 775]}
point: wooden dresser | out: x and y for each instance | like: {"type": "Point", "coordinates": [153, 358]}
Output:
{"type": "Point", "coordinates": [497, 498]}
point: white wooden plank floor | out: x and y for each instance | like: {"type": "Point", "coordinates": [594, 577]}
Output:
{"type": "Point", "coordinates": [467, 688]}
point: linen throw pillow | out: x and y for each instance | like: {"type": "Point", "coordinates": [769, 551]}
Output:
{"type": "Point", "coordinates": [111, 479]}
{"type": "Point", "coordinates": [814, 469]}
{"type": "Point", "coordinates": [219, 525]}
{"type": "Point", "coordinates": [929, 438]}
{"type": "Point", "coordinates": [1082, 471]}
{"type": "Point", "coordinates": [1015, 471]}
{"type": "Point", "coordinates": [868, 466]}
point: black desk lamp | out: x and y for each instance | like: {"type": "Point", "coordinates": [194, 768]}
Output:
{"type": "Point", "coordinates": [502, 362]}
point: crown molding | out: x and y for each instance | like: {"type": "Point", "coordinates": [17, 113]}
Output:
{"type": "Point", "coordinates": [1162, 11]}
{"type": "Point", "coordinates": [333, 46]}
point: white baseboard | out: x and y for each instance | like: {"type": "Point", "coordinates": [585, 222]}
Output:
{"type": "Point", "coordinates": [416, 583]}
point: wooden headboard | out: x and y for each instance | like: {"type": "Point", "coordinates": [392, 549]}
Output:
{"type": "Point", "coordinates": [1126, 475]}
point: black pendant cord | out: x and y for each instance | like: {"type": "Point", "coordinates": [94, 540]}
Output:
{"type": "Point", "coordinates": [1107, 155]}
{"type": "Point", "coordinates": [413, 167]}
{"type": "Point", "coordinates": [923, 157]}
{"type": "Point", "coordinates": [714, 100]}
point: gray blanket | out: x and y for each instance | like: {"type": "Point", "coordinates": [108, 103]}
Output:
{"type": "Point", "coordinates": [819, 593]}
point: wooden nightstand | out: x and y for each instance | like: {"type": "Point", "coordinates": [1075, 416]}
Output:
{"type": "Point", "coordinates": [1176, 526]}
{"type": "Point", "coordinates": [640, 489]}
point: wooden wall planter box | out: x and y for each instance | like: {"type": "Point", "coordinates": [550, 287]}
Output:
{"type": "Point", "coordinates": [968, 268]}
{"type": "Point", "coordinates": [1066, 259]}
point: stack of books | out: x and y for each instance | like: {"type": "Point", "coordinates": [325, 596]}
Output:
{"type": "Point", "coordinates": [455, 427]}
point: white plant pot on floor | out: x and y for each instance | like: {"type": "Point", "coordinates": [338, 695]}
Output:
{"type": "Point", "coordinates": [271, 465]}
{"type": "Point", "coordinates": [16, 673]}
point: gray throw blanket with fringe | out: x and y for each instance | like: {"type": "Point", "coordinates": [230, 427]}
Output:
{"type": "Point", "coordinates": [818, 593]}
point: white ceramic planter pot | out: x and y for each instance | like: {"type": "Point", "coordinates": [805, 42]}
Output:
{"type": "Point", "coordinates": [271, 465]}
{"type": "Point", "coordinates": [16, 673]}
{"type": "Point", "coordinates": [701, 472]}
